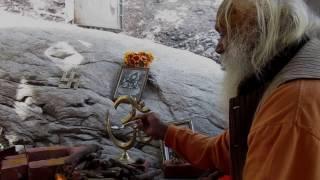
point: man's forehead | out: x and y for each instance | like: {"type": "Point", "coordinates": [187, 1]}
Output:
{"type": "Point", "coordinates": [238, 11]}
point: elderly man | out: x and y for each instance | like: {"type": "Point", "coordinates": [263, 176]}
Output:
{"type": "Point", "coordinates": [272, 60]}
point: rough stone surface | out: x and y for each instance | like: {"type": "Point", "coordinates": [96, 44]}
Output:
{"type": "Point", "coordinates": [182, 24]}
{"type": "Point", "coordinates": [33, 110]}
{"type": "Point", "coordinates": [52, 10]}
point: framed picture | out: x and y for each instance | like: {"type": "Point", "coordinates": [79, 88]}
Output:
{"type": "Point", "coordinates": [131, 82]}
{"type": "Point", "coordinates": [169, 154]}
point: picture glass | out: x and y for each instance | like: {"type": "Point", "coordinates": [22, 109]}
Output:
{"type": "Point", "coordinates": [169, 154]}
{"type": "Point", "coordinates": [131, 82]}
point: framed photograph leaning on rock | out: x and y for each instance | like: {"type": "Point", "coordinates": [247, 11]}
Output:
{"type": "Point", "coordinates": [133, 75]}
{"type": "Point", "coordinates": [131, 82]}
{"type": "Point", "coordinates": [167, 153]}
{"type": "Point", "coordinates": [174, 166]}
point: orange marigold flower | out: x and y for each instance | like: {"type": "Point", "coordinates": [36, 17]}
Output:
{"type": "Point", "coordinates": [138, 59]}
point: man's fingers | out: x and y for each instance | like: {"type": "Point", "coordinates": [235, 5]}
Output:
{"type": "Point", "coordinates": [139, 116]}
{"type": "Point", "coordinates": [140, 124]}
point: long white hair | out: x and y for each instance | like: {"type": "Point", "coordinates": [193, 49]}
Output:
{"type": "Point", "coordinates": [279, 23]}
{"type": "Point", "coordinates": [273, 26]}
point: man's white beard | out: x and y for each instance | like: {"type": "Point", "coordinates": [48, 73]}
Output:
{"type": "Point", "coordinates": [236, 62]}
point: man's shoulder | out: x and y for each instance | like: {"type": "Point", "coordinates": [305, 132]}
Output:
{"type": "Point", "coordinates": [295, 102]}
{"type": "Point", "coordinates": [304, 65]}
{"type": "Point", "coordinates": [302, 92]}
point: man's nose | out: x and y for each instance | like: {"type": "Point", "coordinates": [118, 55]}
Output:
{"type": "Point", "coordinates": [220, 47]}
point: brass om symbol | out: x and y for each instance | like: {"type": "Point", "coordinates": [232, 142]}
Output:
{"type": "Point", "coordinates": [128, 121]}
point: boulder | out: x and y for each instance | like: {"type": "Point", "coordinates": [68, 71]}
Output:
{"type": "Point", "coordinates": [34, 110]}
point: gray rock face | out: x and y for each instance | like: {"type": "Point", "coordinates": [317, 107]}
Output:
{"type": "Point", "coordinates": [52, 10]}
{"type": "Point", "coordinates": [34, 110]}
{"type": "Point", "coordinates": [182, 24]}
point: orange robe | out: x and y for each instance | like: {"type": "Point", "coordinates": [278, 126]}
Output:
{"type": "Point", "coordinates": [283, 142]}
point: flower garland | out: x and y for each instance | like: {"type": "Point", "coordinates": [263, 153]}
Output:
{"type": "Point", "coordinates": [138, 59]}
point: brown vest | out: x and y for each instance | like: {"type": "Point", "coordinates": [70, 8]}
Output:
{"type": "Point", "coordinates": [300, 61]}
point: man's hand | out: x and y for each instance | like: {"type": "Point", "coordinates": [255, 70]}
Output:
{"type": "Point", "coordinates": [151, 124]}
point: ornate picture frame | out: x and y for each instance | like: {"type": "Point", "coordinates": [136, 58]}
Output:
{"type": "Point", "coordinates": [131, 82]}
{"type": "Point", "coordinates": [167, 153]}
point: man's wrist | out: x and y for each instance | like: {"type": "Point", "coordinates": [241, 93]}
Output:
{"type": "Point", "coordinates": [163, 130]}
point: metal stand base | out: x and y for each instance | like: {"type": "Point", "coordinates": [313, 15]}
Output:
{"type": "Point", "coordinates": [125, 158]}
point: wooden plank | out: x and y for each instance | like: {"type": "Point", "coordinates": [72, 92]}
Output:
{"type": "Point", "coordinates": [97, 13]}
{"type": "Point", "coordinates": [69, 11]}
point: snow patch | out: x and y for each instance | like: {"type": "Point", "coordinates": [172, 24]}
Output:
{"type": "Point", "coordinates": [182, 9]}
{"type": "Point", "coordinates": [86, 44]}
{"type": "Point", "coordinates": [156, 29]}
{"type": "Point", "coordinates": [151, 35]}
{"type": "Point", "coordinates": [38, 4]}
{"type": "Point", "coordinates": [170, 16]}
{"type": "Point", "coordinates": [25, 94]}
{"type": "Point", "coordinates": [12, 139]}
{"type": "Point", "coordinates": [64, 55]}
